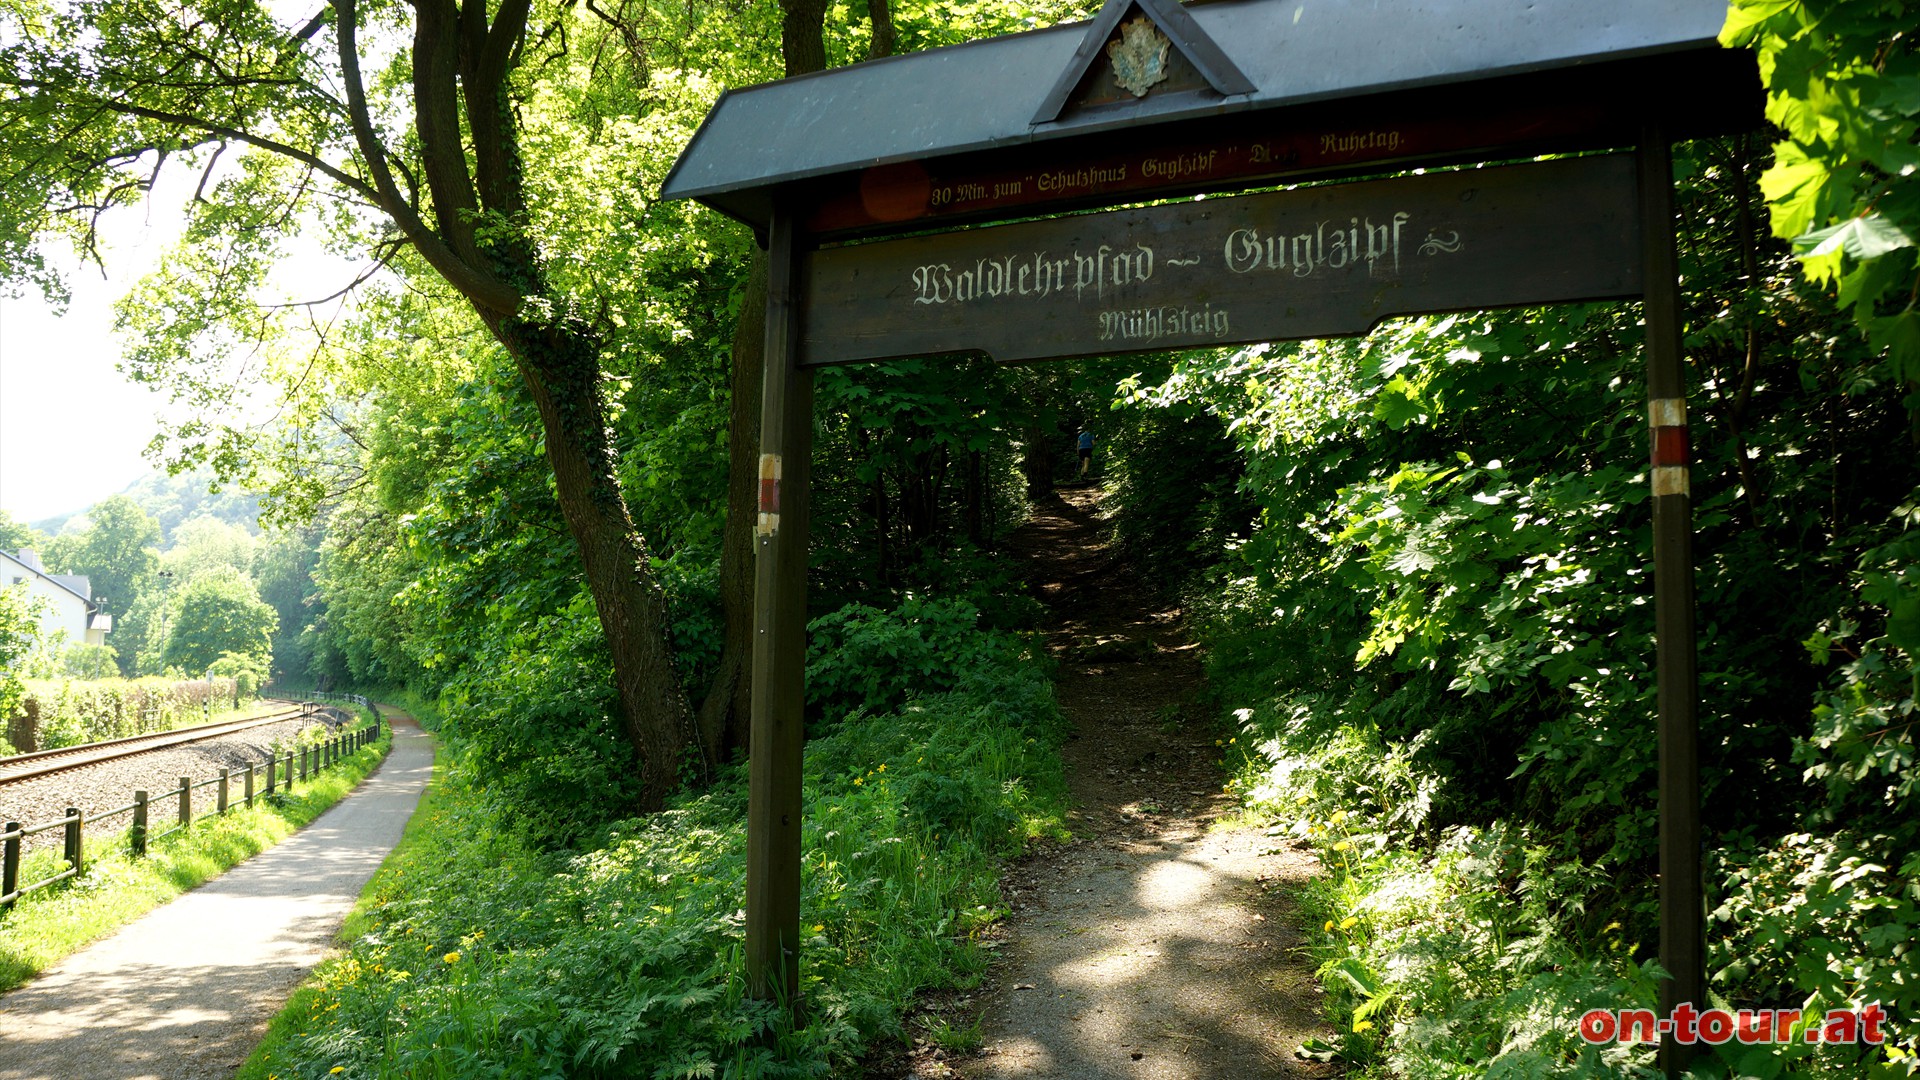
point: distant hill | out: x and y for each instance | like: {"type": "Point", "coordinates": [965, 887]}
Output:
{"type": "Point", "coordinates": [176, 499]}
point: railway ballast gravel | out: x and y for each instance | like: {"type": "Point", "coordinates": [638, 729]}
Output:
{"type": "Point", "coordinates": [108, 784]}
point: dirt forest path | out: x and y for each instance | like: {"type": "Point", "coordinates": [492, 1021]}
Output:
{"type": "Point", "coordinates": [186, 992]}
{"type": "Point", "coordinates": [1155, 946]}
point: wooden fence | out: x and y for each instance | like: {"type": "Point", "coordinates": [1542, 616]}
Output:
{"type": "Point", "coordinates": [294, 767]}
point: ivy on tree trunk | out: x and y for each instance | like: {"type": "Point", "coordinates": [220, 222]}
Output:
{"type": "Point", "coordinates": [460, 58]}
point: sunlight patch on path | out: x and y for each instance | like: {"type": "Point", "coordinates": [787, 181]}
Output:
{"type": "Point", "coordinates": [1155, 946]}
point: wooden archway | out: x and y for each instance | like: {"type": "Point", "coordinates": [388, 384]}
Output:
{"type": "Point", "coordinates": [875, 189]}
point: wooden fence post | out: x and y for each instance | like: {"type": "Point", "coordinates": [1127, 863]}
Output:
{"type": "Point", "coordinates": [220, 803]}
{"type": "Point", "coordinates": [249, 783]}
{"type": "Point", "coordinates": [186, 800]}
{"type": "Point", "coordinates": [272, 763]}
{"type": "Point", "coordinates": [139, 832]}
{"type": "Point", "coordinates": [10, 862]}
{"type": "Point", "coordinates": [289, 772]}
{"type": "Point", "coordinates": [303, 763]}
{"type": "Point", "coordinates": [76, 851]}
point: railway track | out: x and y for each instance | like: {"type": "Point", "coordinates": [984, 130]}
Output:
{"type": "Point", "coordinates": [28, 766]}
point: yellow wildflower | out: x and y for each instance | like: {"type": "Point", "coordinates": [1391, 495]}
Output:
{"type": "Point", "coordinates": [452, 957]}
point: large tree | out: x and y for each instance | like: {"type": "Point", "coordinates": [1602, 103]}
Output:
{"type": "Point", "coordinates": [422, 136]}
{"type": "Point", "coordinates": [220, 613]}
{"type": "Point", "coordinates": [417, 157]}
{"type": "Point", "coordinates": [116, 552]}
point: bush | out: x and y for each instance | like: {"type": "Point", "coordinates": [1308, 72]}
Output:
{"type": "Point", "coordinates": [487, 955]}
{"type": "Point", "coordinates": [88, 662]}
{"type": "Point", "coordinates": [860, 657]}
{"type": "Point", "coordinates": [69, 712]}
{"type": "Point", "coordinates": [247, 670]}
{"type": "Point", "coordinates": [536, 718]}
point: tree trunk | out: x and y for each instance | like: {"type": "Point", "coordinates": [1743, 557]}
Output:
{"type": "Point", "coordinates": [724, 717]}
{"type": "Point", "coordinates": [801, 43]}
{"type": "Point", "coordinates": [1036, 460]}
{"type": "Point", "coordinates": [882, 43]}
{"type": "Point", "coordinates": [976, 497]}
{"type": "Point", "coordinates": [561, 367]}
{"type": "Point", "coordinates": [882, 517]}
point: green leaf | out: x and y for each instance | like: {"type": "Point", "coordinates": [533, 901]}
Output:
{"type": "Point", "coordinates": [1903, 624]}
{"type": "Point", "coordinates": [1866, 237]}
{"type": "Point", "coordinates": [1900, 336]}
{"type": "Point", "coordinates": [1793, 187]}
{"type": "Point", "coordinates": [1746, 17]}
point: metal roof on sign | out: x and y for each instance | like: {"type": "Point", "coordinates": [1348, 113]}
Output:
{"type": "Point", "coordinates": [991, 94]}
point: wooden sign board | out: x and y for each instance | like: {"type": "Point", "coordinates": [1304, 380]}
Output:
{"type": "Point", "coordinates": [1326, 261]}
{"type": "Point", "coordinates": [1199, 157]}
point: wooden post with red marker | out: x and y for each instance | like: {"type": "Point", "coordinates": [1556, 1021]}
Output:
{"type": "Point", "coordinates": [779, 636]}
{"type": "Point", "coordinates": [1682, 910]}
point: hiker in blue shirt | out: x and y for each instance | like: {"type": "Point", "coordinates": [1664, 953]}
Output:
{"type": "Point", "coordinates": [1086, 451]}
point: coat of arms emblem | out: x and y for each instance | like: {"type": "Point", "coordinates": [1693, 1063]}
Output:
{"type": "Point", "coordinates": [1140, 56]}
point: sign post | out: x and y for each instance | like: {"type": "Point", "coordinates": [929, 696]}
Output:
{"type": "Point", "coordinates": [779, 638]}
{"type": "Point", "coordinates": [1681, 908]}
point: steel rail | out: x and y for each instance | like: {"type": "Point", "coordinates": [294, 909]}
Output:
{"type": "Point", "coordinates": [41, 763]}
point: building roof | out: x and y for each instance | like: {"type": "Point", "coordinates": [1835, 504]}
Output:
{"type": "Point", "coordinates": [77, 584]}
{"type": "Point", "coordinates": [993, 94]}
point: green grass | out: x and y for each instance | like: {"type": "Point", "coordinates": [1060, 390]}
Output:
{"type": "Point", "coordinates": [117, 888]}
{"type": "Point", "coordinates": [473, 953]}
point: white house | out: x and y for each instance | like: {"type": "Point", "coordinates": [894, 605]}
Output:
{"type": "Point", "coordinates": [66, 599]}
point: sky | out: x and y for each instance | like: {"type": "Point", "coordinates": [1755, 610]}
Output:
{"type": "Point", "coordinates": [72, 428]}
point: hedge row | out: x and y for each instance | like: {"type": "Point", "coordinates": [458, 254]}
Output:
{"type": "Point", "coordinates": [67, 712]}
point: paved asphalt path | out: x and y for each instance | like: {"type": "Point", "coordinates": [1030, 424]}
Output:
{"type": "Point", "coordinates": [186, 992]}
